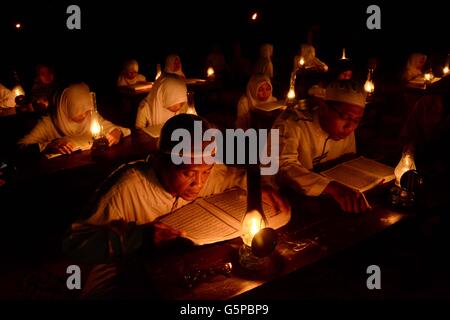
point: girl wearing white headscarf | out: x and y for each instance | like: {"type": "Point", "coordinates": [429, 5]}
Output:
{"type": "Point", "coordinates": [308, 53]}
{"type": "Point", "coordinates": [259, 90]}
{"type": "Point", "coordinates": [69, 123]}
{"type": "Point", "coordinates": [264, 64]}
{"type": "Point", "coordinates": [130, 75]}
{"type": "Point", "coordinates": [167, 98]}
{"type": "Point", "coordinates": [173, 65]}
{"type": "Point", "coordinates": [414, 66]}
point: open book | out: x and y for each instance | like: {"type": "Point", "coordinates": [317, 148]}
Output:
{"type": "Point", "coordinates": [361, 173]}
{"type": "Point", "coordinates": [153, 131]}
{"type": "Point", "coordinates": [218, 217]}
{"type": "Point", "coordinates": [79, 143]}
{"type": "Point", "coordinates": [270, 106]}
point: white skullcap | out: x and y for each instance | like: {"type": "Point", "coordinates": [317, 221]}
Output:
{"type": "Point", "coordinates": [346, 91]}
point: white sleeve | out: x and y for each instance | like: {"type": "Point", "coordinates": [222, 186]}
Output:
{"type": "Point", "coordinates": [142, 118]}
{"type": "Point", "coordinates": [109, 126]}
{"type": "Point", "coordinates": [291, 170]}
{"type": "Point", "coordinates": [43, 133]}
{"type": "Point", "coordinates": [243, 114]}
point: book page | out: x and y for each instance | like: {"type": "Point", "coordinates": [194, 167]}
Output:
{"type": "Point", "coordinates": [361, 173]}
{"type": "Point", "coordinates": [234, 204]}
{"type": "Point", "coordinates": [218, 217]}
{"type": "Point", "coordinates": [200, 225]}
{"type": "Point", "coordinates": [79, 143]}
{"type": "Point", "coordinates": [373, 167]}
{"type": "Point", "coordinates": [351, 177]}
{"type": "Point", "coordinates": [153, 131]}
{"type": "Point", "coordinates": [270, 106]}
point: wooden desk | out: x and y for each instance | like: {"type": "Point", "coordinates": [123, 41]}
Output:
{"type": "Point", "coordinates": [317, 230]}
{"type": "Point", "coordinates": [136, 146]}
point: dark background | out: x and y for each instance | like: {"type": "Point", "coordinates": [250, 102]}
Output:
{"type": "Point", "coordinates": [149, 30]}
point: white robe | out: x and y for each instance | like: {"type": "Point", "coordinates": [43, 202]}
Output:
{"type": "Point", "coordinates": [304, 145]}
{"type": "Point", "coordinates": [74, 100]}
{"type": "Point", "coordinates": [136, 199]}
{"type": "Point", "coordinates": [249, 100]}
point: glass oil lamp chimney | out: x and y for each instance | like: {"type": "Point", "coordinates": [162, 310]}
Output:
{"type": "Point", "coordinates": [19, 93]}
{"type": "Point", "coordinates": [100, 143]}
{"type": "Point", "coordinates": [258, 239]}
{"type": "Point", "coordinates": [158, 71]}
{"type": "Point", "coordinates": [369, 86]}
{"type": "Point", "coordinates": [407, 179]}
{"type": "Point", "coordinates": [210, 73]}
{"type": "Point", "coordinates": [190, 103]}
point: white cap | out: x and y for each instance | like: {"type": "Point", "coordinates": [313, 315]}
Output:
{"type": "Point", "coordinates": [346, 91]}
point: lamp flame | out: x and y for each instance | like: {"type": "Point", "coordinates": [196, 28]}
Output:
{"type": "Point", "coordinates": [369, 87]}
{"type": "Point", "coordinates": [18, 91]}
{"type": "Point", "coordinates": [301, 62]}
{"type": "Point", "coordinates": [95, 128]}
{"type": "Point", "coordinates": [254, 16]}
{"type": "Point", "coordinates": [291, 94]}
{"type": "Point", "coordinates": [210, 72]}
{"type": "Point", "coordinates": [253, 223]}
{"type": "Point", "coordinates": [343, 54]}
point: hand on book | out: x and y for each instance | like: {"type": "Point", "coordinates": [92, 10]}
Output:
{"type": "Point", "coordinates": [114, 136]}
{"type": "Point", "coordinates": [60, 146]}
{"type": "Point", "coordinates": [162, 232]}
{"type": "Point", "coordinates": [349, 200]}
{"type": "Point", "coordinates": [272, 197]}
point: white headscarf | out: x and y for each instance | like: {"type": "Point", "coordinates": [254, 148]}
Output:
{"type": "Point", "coordinates": [253, 85]}
{"type": "Point", "coordinates": [414, 66]}
{"type": "Point", "coordinates": [131, 65]}
{"type": "Point", "coordinates": [167, 91]}
{"type": "Point", "coordinates": [75, 100]}
{"type": "Point", "coordinates": [264, 64]}
{"type": "Point", "coordinates": [169, 65]}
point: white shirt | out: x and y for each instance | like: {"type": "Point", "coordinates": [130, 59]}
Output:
{"type": "Point", "coordinates": [167, 91]}
{"type": "Point", "coordinates": [304, 145]}
{"type": "Point", "coordinates": [45, 132]}
{"type": "Point", "coordinates": [134, 200]}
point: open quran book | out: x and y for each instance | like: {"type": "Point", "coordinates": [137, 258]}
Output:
{"type": "Point", "coordinates": [361, 173]}
{"type": "Point", "coordinates": [153, 131]}
{"type": "Point", "coordinates": [79, 143]}
{"type": "Point", "coordinates": [270, 106]}
{"type": "Point", "coordinates": [218, 217]}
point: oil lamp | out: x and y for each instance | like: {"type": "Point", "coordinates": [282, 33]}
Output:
{"type": "Point", "coordinates": [100, 143]}
{"type": "Point", "coordinates": [258, 239]}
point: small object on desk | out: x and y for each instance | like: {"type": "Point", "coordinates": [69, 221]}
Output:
{"type": "Point", "coordinates": [197, 276]}
{"type": "Point", "coordinates": [99, 145]}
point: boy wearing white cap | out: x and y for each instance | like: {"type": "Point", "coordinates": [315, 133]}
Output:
{"type": "Point", "coordinates": [310, 138]}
